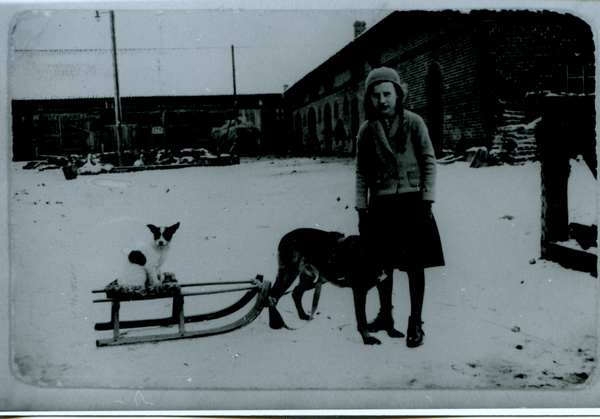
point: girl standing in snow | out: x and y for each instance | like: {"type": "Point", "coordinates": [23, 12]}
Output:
{"type": "Point", "coordinates": [395, 188]}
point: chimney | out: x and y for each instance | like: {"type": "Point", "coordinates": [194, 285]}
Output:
{"type": "Point", "coordinates": [359, 27]}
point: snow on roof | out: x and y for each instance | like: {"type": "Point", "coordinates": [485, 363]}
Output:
{"type": "Point", "coordinates": [78, 74]}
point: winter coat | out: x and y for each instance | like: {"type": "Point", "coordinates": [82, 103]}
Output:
{"type": "Point", "coordinates": [402, 231]}
{"type": "Point", "coordinates": [381, 171]}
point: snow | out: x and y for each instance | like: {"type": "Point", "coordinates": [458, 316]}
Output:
{"type": "Point", "coordinates": [496, 316]}
{"type": "Point", "coordinates": [583, 205]}
{"type": "Point", "coordinates": [523, 127]}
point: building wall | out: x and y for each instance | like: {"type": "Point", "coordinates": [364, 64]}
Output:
{"type": "Point", "coordinates": [455, 49]}
{"type": "Point", "coordinates": [533, 52]}
{"type": "Point", "coordinates": [531, 55]}
{"type": "Point", "coordinates": [488, 61]}
{"type": "Point", "coordinates": [447, 44]}
{"type": "Point", "coordinates": [336, 136]}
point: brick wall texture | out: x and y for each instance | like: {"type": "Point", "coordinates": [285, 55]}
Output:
{"type": "Point", "coordinates": [485, 61]}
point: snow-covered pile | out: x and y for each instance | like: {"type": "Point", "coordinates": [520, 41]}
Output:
{"type": "Point", "coordinates": [515, 142]}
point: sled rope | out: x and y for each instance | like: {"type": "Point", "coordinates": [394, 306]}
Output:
{"type": "Point", "coordinates": [316, 296]}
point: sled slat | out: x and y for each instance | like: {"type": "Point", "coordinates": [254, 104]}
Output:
{"type": "Point", "coordinates": [130, 324]}
{"type": "Point", "coordinates": [183, 294]}
{"type": "Point", "coordinates": [224, 312]}
{"type": "Point", "coordinates": [115, 318]}
{"type": "Point", "coordinates": [186, 294]}
{"type": "Point", "coordinates": [202, 284]}
{"type": "Point", "coordinates": [178, 302]}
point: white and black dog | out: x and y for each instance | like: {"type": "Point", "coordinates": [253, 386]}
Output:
{"type": "Point", "coordinates": [146, 258]}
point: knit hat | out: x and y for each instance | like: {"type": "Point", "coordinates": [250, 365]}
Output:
{"type": "Point", "coordinates": [382, 74]}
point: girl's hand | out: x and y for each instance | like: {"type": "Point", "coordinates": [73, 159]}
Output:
{"type": "Point", "coordinates": [426, 208]}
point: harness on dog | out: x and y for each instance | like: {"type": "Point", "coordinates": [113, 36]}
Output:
{"type": "Point", "coordinates": [275, 319]}
{"type": "Point", "coordinates": [316, 296]}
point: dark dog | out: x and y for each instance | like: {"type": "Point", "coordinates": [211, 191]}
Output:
{"type": "Point", "coordinates": [339, 260]}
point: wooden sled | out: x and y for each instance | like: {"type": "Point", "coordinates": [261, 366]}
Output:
{"type": "Point", "coordinates": [256, 288]}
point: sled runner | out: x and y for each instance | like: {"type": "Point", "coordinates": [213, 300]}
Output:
{"type": "Point", "coordinates": [255, 288]}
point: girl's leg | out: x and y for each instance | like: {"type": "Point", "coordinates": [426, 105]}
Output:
{"type": "Point", "coordinates": [416, 283]}
{"type": "Point", "coordinates": [384, 319]}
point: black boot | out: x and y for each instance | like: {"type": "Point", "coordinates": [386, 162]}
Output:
{"type": "Point", "coordinates": [415, 333]}
{"type": "Point", "coordinates": [384, 321]}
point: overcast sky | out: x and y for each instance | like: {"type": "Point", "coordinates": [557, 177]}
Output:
{"type": "Point", "coordinates": [272, 48]}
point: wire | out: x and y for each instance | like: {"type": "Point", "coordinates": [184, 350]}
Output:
{"type": "Point", "coordinates": [183, 48]}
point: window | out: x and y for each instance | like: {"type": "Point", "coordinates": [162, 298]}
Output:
{"type": "Point", "coordinates": [580, 78]}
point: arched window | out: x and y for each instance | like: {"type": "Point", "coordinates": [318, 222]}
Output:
{"type": "Point", "coordinates": [354, 122]}
{"type": "Point", "coordinates": [297, 141]}
{"type": "Point", "coordinates": [328, 130]}
{"type": "Point", "coordinates": [313, 140]}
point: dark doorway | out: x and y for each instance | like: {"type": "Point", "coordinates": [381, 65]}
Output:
{"type": "Point", "coordinates": [328, 131]}
{"type": "Point", "coordinates": [312, 141]}
{"type": "Point", "coordinates": [354, 123]}
{"type": "Point", "coordinates": [297, 141]}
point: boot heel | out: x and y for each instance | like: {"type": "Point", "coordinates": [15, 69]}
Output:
{"type": "Point", "coordinates": [384, 322]}
{"type": "Point", "coordinates": [415, 334]}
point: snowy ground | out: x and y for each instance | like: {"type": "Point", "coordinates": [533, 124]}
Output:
{"type": "Point", "coordinates": [493, 318]}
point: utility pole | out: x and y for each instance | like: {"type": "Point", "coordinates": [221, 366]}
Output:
{"type": "Point", "coordinates": [234, 116]}
{"type": "Point", "coordinates": [118, 113]}
{"type": "Point", "coordinates": [233, 65]}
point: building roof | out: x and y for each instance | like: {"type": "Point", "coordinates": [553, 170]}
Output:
{"type": "Point", "coordinates": [79, 74]}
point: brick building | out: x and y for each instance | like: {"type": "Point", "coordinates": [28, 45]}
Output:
{"type": "Point", "coordinates": [470, 75]}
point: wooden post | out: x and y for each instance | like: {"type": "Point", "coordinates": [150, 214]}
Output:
{"type": "Point", "coordinates": [60, 141]}
{"type": "Point", "coordinates": [116, 305]}
{"type": "Point", "coordinates": [233, 67]}
{"type": "Point", "coordinates": [178, 315]}
{"type": "Point", "coordinates": [118, 113]}
{"type": "Point", "coordinates": [181, 316]}
{"type": "Point", "coordinates": [552, 136]}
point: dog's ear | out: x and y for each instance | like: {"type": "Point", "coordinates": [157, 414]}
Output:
{"type": "Point", "coordinates": [155, 230]}
{"type": "Point", "coordinates": [169, 231]}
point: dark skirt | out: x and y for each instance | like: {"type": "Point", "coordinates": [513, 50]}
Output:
{"type": "Point", "coordinates": [403, 234]}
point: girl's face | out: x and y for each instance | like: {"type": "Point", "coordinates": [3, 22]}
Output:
{"type": "Point", "coordinates": [384, 98]}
